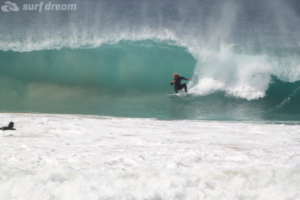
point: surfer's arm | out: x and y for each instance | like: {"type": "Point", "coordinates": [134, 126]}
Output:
{"type": "Point", "coordinates": [188, 79]}
{"type": "Point", "coordinates": [172, 82]}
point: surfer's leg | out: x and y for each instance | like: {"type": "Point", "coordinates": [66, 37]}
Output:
{"type": "Point", "coordinates": [180, 87]}
{"type": "Point", "coordinates": [184, 86]}
{"type": "Point", "coordinates": [175, 88]}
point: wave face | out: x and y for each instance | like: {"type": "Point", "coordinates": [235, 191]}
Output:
{"type": "Point", "coordinates": [117, 58]}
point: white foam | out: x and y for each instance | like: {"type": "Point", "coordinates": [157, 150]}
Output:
{"type": "Point", "coordinates": [239, 75]}
{"type": "Point", "coordinates": [74, 41]}
{"type": "Point", "coordinates": [90, 157]}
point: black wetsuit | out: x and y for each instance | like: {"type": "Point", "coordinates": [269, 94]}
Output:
{"type": "Point", "coordinates": [178, 86]}
{"type": "Point", "coordinates": [9, 127]}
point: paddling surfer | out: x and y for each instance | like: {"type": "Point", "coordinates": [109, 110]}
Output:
{"type": "Point", "coordinates": [176, 81]}
{"type": "Point", "coordinates": [9, 127]}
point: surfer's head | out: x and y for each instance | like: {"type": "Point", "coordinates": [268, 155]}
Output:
{"type": "Point", "coordinates": [11, 125]}
{"type": "Point", "coordinates": [175, 75]}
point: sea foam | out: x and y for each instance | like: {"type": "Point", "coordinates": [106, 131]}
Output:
{"type": "Point", "coordinates": [93, 157]}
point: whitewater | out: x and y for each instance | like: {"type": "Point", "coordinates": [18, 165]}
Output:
{"type": "Point", "coordinates": [86, 90]}
{"type": "Point", "coordinates": [93, 157]}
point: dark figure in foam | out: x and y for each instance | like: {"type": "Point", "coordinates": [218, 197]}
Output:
{"type": "Point", "coordinates": [9, 127]}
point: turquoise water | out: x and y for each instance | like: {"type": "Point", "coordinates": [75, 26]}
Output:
{"type": "Point", "coordinates": [131, 79]}
{"type": "Point", "coordinates": [117, 59]}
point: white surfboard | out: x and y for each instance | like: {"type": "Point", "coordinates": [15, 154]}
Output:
{"type": "Point", "coordinates": [178, 95]}
{"type": "Point", "coordinates": [181, 95]}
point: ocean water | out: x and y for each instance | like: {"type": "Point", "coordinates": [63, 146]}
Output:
{"type": "Point", "coordinates": [86, 89]}
{"type": "Point", "coordinates": [117, 59]}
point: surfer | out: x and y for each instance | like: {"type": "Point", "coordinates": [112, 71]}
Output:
{"type": "Point", "coordinates": [176, 81]}
{"type": "Point", "coordinates": [9, 127]}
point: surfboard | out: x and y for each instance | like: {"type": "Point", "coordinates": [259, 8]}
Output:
{"type": "Point", "coordinates": [178, 95]}
{"type": "Point", "coordinates": [181, 95]}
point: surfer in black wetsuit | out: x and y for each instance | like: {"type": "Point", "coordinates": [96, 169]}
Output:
{"type": "Point", "coordinates": [176, 81]}
{"type": "Point", "coordinates": [9, 127]}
